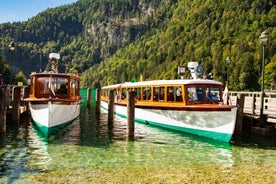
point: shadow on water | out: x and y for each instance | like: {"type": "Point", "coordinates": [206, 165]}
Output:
{"type": "Point", "coordinates": [254, 141]}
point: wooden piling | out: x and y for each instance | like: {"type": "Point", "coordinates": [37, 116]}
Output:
{"type": "Point", "coordinates": [130, 115]}
{"type": "Point", "coordinates": [88, 98]}
{"type": "Point", "coordinates": [25, 94]}
{"type": "Point", "coordinates": [3, 108]}
{"type": "Point", "coordinates": [98, 101]}
{"type": "Point", "coordinates": [111, 107]}
{"type": "Point", "coordinates": [239, 117]}
{"type": "Point", "coordinates": [15, 111]}
{"type": "Point", "coordinates": [253, 103]}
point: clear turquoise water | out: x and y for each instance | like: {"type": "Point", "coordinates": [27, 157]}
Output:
{"type": "Point", "coordinates": [89, 149]}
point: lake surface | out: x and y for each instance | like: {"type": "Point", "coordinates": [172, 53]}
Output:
{"type": "Point", "coordinates": [89, 151]}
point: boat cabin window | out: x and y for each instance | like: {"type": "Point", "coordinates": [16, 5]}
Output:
{"type": "Point", "coordinates": [146, 93]}
{"type": "Point", "coordinates": [212, 93]}
{"type": "Point", "coordinates": [104, 92]}
{"type": "Point", "coordinates": [174, 94]}
{"type": "Point", "coordinates": [124, 93]}
{"type": "Point", "coordinates": [43, 86]}
{"type": "Point", "coordinates": [137, 93]}
{"type": "Point", "coordinates": [32, 89]}
{"type": "Point", "coordinates": [158, 94]}
{"type": "Point", "coordinates": [61, 86]}
{"type": "Point", "coordinates": [195, 93]}
{"type": "Point", "coordinates": [74, 87]}
{"type": "Point", "coordinates": [203, 94]}
{"type": "Point", "coordinates": [52, 86]}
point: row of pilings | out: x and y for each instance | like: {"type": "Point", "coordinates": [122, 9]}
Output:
{"type": "Point", "coordinates": [12, 104]}
{"type": "Point", "coordinates": [130, 126]}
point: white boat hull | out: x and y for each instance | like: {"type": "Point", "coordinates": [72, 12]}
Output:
{"type": "Point", "coordinates": [212, 124]}
{"type": "Point", "coordinates": [51, 116]}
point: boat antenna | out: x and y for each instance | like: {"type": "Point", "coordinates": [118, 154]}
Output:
{"type": "Point", "coordinates": [54, 57]}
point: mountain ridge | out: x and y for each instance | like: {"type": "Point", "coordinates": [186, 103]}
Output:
{"type": "Point", "coordinates": [116, 41]}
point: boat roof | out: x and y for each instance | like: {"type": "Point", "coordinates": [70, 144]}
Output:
{"type": "Point", "coordinates": [165, 82]}
{"type": "Point", "coordinates": [54, 74]}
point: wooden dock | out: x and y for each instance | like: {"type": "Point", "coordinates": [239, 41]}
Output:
{"type": "Point", "coordinates": [12, 104]}
{"type": "Point", "coordinates": [251, 113]}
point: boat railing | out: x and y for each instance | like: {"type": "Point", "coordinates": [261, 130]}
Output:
{"type": "Point", "coordinates": [252, 103]}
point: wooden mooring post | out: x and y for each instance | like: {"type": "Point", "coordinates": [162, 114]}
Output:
{"type": "Point", "coordinates": [15, 104]}
{"type": "Point", "coordinates": [98, 101]}
{"type": "Point", "coordinates": [88, 98]}
{"type": "Point", "coordinates": [25, 94]}
{"type": "Point", "coordinates": [3, 108]}
{"type": "Point", "coordinates": [111, 108]}
{"type": "Point", "coordinates": [239, 117]}
{"type": "Point", "coordinates": [130, 115]}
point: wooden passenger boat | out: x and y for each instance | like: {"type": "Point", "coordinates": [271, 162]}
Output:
{"type": "Point", "coordinates": [193, 106]}
{"type": "Point", "coordinates": [54, 99]}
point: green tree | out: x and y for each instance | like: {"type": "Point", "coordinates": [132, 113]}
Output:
{"type": "Point", "coordinates": [20, 77]}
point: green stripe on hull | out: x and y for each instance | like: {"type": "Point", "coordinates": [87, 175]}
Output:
{"type": "Point", "coordinates": [212, 135]}
{"type": "Point", "coordinates": [48, 131]}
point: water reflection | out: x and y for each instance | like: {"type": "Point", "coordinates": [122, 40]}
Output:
{"type": "Point", "coordinates": [22, 145]}
{"type": "Point", "coordinates": [68, 135]}
{"type": "Point", "coordinates": [89, 144]}
{"type": "Point", "coordinates": [152, 146]}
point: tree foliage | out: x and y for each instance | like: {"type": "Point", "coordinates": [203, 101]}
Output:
{"type": "Point", "coordinates": [4, 71]}
{"type": "Point", "coordinates": [20, 77]}
{"type": "Point", "coordinates": [117, 41]}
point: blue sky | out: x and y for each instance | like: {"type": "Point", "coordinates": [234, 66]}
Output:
{"type": "Point", "coordinates": [21, 10]}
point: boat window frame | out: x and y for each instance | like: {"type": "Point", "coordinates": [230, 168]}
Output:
{"type": "Point", "coordinates": [124, 93]}
{"type": "Point", "coordinates": [177, 93]}
{"type": "Point", "coordinates": [191, 97]}
{"type": "Point", "coordinates": [159, 93]}
{"type": "Point", "coordinates": [151, 97]}
{"type": "Point", "coordinates": [138, 93]}
{"type": "Point", "coordinates": [74, 87]}
{"type": "Point", "coordinates": [32, 86]}
{"type": "Point", "coordinates": [210, 95]}
{"type": "Point", "coordinates": [44, 89]}
{"type": "Point", "coordinates": [147, 96]}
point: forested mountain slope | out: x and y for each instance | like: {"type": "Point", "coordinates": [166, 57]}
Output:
{"type": "Point", "coordinates": [110, 41]}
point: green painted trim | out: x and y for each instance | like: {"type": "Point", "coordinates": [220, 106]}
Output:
{"type": "Point", "coordinates": [212, 135]}
{"type": "Point", "coordinates": [49, 131]}
{"type": "Point", "coordinates": [41, 128]}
